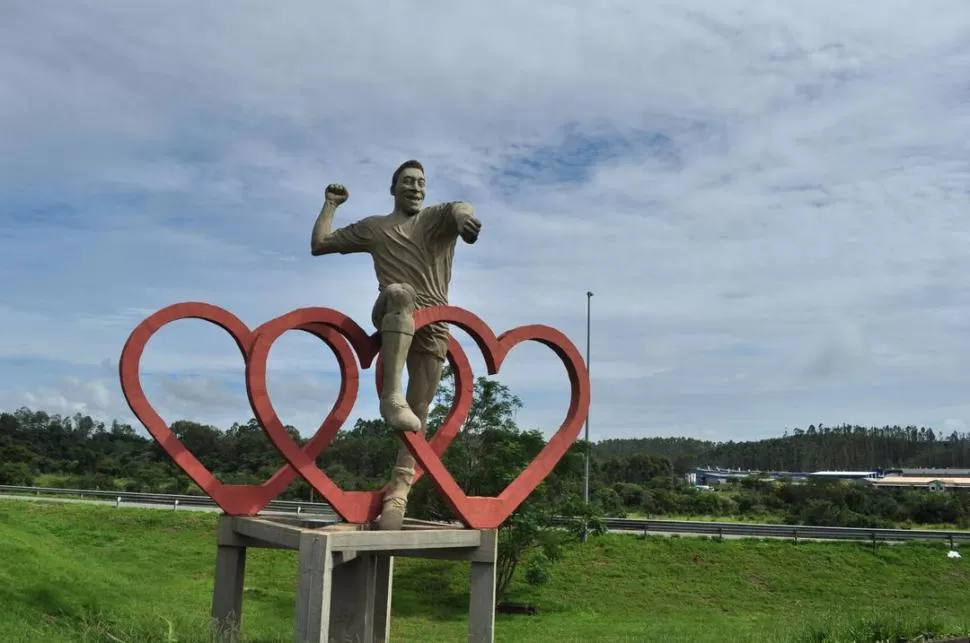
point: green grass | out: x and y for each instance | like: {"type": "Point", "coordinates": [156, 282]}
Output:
{"type": "Point", "coordinates": [96, 573]}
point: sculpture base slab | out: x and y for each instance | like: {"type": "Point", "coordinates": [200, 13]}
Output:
{"type": "Point", "coordinates": [345, 575]}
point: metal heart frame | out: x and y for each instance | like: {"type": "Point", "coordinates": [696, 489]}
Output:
{"type": "Point", "coordinates": [352, 506]}
{"type": "Point", "coordinates": [475, 512]}
{"type": "Point", "coordinates": [344, 337]}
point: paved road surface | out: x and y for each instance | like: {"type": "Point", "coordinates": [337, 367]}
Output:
{"type": "Point", "coordinates": [136, 505]}
{"type": "Point", "coordinates": [132, 505]}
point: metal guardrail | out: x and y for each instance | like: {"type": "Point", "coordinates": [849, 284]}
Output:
{"type": "Point", "coordinates": [795, 532]}
{"type": "Point", "coordinates": [646, 526]}
{"type": "Point", "coordinates": [169, 499]}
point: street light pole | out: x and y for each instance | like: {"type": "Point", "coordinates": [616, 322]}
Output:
{"type": "Point", "coordinates": [589, 299]}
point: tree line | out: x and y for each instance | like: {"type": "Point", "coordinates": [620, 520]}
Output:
{"type": "Point", "coordinates": [641, 476]}
{"type": "Point", "coordinates": [51, 450]}
{"type": "Point", "coordinates": [819, 447]}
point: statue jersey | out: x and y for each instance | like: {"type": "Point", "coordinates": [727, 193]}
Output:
{"type": "Point", "coordinates": [416, 250]}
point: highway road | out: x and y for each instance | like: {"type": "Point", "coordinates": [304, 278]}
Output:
{"type": "Point", "coordinates": [124, 505]}
{"type": "Point", "coordinates": [615, 525]}
{"type": "Point", "coordinates": [145, 505]}
{"type": "Point", "coordinates": [136, 505]}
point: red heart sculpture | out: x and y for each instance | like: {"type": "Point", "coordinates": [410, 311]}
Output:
{"type": "Point", "coordinates": [489, 513]}
{"type": "Point", "coordinates": [352, 506]}
{"type": "Point", "coordinates": [332, 327]}
{"type": "Point", "coordinates": [246, 500]}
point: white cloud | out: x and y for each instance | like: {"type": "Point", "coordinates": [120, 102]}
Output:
{"type": "Point", "coordinates": [954, 424]}
{"type": "Point", "coordinates": [769, 201]}
{"type": "Point", "coordinates": [67, 396]}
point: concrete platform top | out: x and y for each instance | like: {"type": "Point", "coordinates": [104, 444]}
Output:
{"type": "Point", "coordinates": [287, 533]}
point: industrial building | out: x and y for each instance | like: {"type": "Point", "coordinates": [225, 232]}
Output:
{"type": "Point", "coordinates": [845, 475]}
{"type": "Point", "coordinates": [926, 479]}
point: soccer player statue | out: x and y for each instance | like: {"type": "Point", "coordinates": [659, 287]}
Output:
{"type": "Point", "coordinates": [413, 248]}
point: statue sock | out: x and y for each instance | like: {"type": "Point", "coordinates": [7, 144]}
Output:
{"type": "Point", "coordinates": [396, 499]}
{"type": "Point", "coordinates": [396, 333]}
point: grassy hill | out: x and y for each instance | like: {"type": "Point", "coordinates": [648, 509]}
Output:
{"type": "Point", "coordinates": [94, 573]}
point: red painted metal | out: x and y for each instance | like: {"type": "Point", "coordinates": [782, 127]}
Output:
{"type": "Point", "coordinates": [346, 339]}
{"type": "Point", "coordinates": [352, 506]}
{"type": "Point", "coordinates": [237, 500]}
{"type": "Point", "coordinates": [489, 512]}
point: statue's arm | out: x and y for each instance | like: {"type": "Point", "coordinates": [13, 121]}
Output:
{"type": "Point", "coordinates": [325, 240]}
{"type": "Point", "coordinates": [466, 223]}
{"type": "Point", "coordinates": [322, 241]}
{"type": "Point", "coordinates": [455, 219]}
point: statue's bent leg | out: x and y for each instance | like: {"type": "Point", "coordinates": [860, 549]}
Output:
{"type": "Point", "coordinates": [424, 374]}
{"type": "Point", "coordinates": [395, 307]}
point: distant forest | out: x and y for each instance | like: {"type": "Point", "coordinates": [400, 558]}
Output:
{"type": "Point", "coordinates": [641, 476]}
{"type": "Point", "coordinates": [817, 448]}
{"type": "Point", "coordinates": [62, 449]}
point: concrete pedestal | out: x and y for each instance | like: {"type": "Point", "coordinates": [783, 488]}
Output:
{"type": "Point", "coordinates": [345, 574]}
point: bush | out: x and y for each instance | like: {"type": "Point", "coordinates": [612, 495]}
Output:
{"type": "Point", "coordinates": [631, 495]}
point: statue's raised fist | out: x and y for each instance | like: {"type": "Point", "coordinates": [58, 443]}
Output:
{"type": "Point", "coordinates": [336, 194]}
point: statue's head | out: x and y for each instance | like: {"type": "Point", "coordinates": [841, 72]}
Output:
{"type": "Point", "coordinates": [407, 187]}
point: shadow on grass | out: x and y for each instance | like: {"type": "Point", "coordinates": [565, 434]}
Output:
{"type": "Point", "coordinates": [52, 602]}
{"type": "Point", "coordinates": [431, 589]}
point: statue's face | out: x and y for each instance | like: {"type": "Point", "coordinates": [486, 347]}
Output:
{"type": "Point", "coordinates": [409, 191]}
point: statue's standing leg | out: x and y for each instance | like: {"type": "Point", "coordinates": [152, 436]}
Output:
{"type": "Point", "coordinates": [424, 375]}
{"type": "Point", "coordinates": [394, 316]}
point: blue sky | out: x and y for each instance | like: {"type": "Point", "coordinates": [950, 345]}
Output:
{"type": "Point", "coordinates": [769, 201]}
